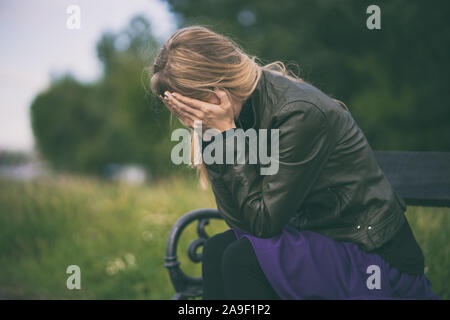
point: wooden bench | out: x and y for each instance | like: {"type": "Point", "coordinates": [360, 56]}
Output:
{"type": "Point", "coordinates": [420, 179]}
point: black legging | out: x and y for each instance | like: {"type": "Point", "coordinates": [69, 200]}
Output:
{"type": "Point", "coordinates": [231, 270]}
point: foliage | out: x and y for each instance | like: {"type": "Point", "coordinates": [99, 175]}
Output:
{"type": "Point", "coordinates": [84, 127]}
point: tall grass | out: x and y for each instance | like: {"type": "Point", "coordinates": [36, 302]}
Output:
{"type": "Point", "coordinates": [117, 235]}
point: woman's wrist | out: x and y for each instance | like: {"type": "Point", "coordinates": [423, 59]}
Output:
{"type": "Point", "coordinates": [228, 127]}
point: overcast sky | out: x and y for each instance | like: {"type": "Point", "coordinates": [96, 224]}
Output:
{"type": "Point", "coordinates": [35, 43]}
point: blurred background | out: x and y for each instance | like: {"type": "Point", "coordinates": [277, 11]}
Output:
{"type": "Point", "coordinates": [85, 171]}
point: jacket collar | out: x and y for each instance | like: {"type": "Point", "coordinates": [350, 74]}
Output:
{"type": "Point", "coordinates": [256, 98]}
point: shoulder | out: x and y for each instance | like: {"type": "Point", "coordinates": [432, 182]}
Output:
{"type": "Point", "coordinates": [289, 96]}
{"type": "Point", "coordinates": [301, 116]}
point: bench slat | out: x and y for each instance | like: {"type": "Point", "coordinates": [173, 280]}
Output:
{"type": "Point", "coordinates": [420, 178]}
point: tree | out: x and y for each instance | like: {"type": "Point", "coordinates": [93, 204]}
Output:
{"type": "Point", "coordinates": [84, 127]}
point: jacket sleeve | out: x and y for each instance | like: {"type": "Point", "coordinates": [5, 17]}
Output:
{"type": "Point", "coordinates": [263, 204]}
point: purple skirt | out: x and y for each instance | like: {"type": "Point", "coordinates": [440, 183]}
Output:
{"type": "Point", "coordinates": [307, 265]}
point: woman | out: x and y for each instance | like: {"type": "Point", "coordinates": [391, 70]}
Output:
{"type": "Point", "coordinates": [327, 224]}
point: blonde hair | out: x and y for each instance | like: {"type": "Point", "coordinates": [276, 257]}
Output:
{"type": "Point", "coordinates": [195, 60]}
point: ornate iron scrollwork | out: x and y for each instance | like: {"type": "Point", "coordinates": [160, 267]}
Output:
{"type": "Point", "coordinates": [185, 286]}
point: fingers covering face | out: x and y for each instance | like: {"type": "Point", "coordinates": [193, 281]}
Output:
{"type": "Point", "coordinates": [184, 108]}
{"type": "Point", "coordinates": [193, 103]}
{"type": "Point", "coordinates": [181, 111]}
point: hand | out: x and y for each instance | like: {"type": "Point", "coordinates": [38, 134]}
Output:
{"type": "Point", "coordinates": [213, 116]}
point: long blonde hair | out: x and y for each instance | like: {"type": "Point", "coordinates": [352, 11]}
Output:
{"type": "Point", "coordinates": [195, 60]}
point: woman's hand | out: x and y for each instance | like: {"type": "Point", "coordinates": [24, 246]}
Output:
{"type": "Point", "coordinates": [212, 116]}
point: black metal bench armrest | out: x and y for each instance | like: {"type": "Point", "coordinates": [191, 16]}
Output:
{"type": "Point", "coordinates": [185, 286]}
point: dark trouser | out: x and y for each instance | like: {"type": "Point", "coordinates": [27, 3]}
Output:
{"type": "Point", "coordinates": [231, 270]}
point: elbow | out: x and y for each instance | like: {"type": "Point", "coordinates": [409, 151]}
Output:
{"type": "Point", "coordinates": [262, 224]}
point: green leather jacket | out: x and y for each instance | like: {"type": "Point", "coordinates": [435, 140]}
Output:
{"type": "Point", "coordinates": [328, 180]}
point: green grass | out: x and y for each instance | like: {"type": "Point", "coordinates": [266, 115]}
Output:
{"type": "Point", "coordinates": [117, 235]}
